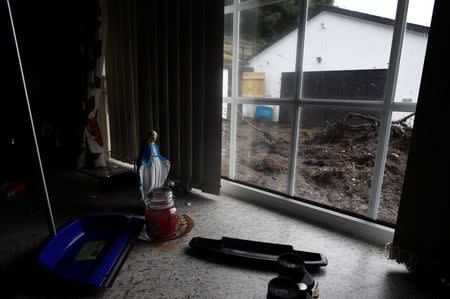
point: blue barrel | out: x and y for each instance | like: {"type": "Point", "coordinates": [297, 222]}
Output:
{"type": "Point", "coordinates": [263, 112]}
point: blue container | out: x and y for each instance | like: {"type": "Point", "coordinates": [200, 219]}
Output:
{"type": "Point", "coordinates": [91, 249]}
{"type": "Point", "coordinates": [263, 112]}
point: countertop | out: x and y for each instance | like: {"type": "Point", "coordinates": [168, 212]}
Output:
{"type": "Point", "coordinates": [356, 269]}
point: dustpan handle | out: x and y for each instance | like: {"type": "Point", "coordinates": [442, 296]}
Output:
{"type": "Point", "coordinates": [50, 220]}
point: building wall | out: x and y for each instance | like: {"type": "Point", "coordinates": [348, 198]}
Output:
{"type": "Point", "coordinates": [342, 43]}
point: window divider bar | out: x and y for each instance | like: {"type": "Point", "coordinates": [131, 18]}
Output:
{"type": "Point", "coordinates": [368, 104]}
{"type": "Point", "coordinates": [293, 145]}
{"type": "Point", "coordinates": [234, 93]}
{"type": "Point", "coordinates": [310, 102]}
{"type": "Point", "coordinates": [403, 107]}
{"type": "Point", "coordinates": [386, 118]}
{"type": "Point", "coordinates": [232, 156]}
{"type": "Point", "coordinates": [264, 101]}
{"type": "Point", "coordinates": [317, 102]}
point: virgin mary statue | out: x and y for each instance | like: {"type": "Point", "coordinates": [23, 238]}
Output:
{"type": "Point", "coordinates": [153, 168]}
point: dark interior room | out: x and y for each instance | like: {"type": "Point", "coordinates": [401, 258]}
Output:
{"type": "Point", "coordinates": [225, 149]}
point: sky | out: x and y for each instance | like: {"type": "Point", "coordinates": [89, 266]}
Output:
{"type": "Point", "coordinates": [419, 11]}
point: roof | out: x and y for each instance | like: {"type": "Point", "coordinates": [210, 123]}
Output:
{"type": "Point", "coordinates": [348, 13]}
{"type": "Point", "coordinates": [370, 18]}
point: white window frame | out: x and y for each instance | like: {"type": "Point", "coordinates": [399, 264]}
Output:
{"type": "Point", "coordinates": [386, 106]}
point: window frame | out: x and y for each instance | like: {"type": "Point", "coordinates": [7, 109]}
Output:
{"type": "Point", "coordinates": [387, 106]}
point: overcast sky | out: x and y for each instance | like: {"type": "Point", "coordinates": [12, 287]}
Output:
{"type": "Point", "coordinates": [419, 11]}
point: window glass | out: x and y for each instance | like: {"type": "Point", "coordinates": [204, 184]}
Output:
{"type": "Point", "coordinates": [346, 57]}
{"type": "Point", "coordinates": [226, 91]}
{"type": "Point", "coordinates": [413, 50]}
{"type": "Point", "coordinates": [346, 53]}
{"type": "Point", "coordinates": [262, 145]}
{"type": "Point", "coordinates": [336, 155]}
{"type": "Point", "coordinates": [225, 146]}
{"type": "Point", "coordinates": [395, 166]}
{"type": "Point", "coordinates": [407, 91]}
{"type": "Point", "coordinates": [267, 48]}
{"type": "Point", "coordinates": [227, 54]}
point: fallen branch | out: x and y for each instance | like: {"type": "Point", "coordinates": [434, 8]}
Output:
{"type": "Point", "coordinates": [363, 116]}
{"type": "Point", "coordinates": [270, 138]}
{"type": "Point", "coordinates": [404, 119]}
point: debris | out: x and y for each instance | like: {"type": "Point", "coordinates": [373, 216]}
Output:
{"type": "Point", "coordinates": [334, 162]}
{"type": "Point", "coordinates": [314, 162]}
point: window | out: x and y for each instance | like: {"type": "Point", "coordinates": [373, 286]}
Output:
{"type": "Point", "coordinates": [319, 99]}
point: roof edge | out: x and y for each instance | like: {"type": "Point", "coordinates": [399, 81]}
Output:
{"type": "Point", "coordinates": [345, 12]}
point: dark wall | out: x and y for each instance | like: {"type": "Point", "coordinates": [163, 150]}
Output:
{"type": "Point", "coordinates": [49, 35]}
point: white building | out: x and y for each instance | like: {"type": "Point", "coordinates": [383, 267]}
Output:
{"type": "Point", "coordinates": [339, 39]}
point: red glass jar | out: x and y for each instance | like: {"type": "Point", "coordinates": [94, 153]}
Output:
{"type": "Point", "coordinates": [161, 215]}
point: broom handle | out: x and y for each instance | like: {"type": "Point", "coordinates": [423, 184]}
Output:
{"type": "Point", "coordinates": [51, 221]}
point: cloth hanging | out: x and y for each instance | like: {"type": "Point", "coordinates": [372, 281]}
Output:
{"type": "Point", "coordinates": [164, 73]}
{"type": "Point", "coordinates": [422, 234]}
{"type": "Point", "coordinates": [92, 154]}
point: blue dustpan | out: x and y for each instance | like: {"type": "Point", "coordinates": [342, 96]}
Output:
{"type": "Point", "coordinates": [91, 249]}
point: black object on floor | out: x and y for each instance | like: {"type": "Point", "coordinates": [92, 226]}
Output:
{"type": "Point", "coordinates": [285, 288]}
{"type": "Point", "coordinates": [262, 252]}
{"type": "Point", "coordinates": [292, 266]}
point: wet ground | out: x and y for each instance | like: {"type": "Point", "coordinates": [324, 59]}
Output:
{"type": "Point", "coordinates": [334, 162]}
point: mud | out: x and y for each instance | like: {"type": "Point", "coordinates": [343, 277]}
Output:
{"type": "Point", "coordinates": [334, 162]}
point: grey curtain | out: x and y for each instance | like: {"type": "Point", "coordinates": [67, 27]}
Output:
{"type": "Point", "coordinates": [422, 235]}
{"type": "Point", "coordinates": [164, 73]}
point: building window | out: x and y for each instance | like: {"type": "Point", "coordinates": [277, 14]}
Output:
{"type": "Point", "coordinates": [319, 99]}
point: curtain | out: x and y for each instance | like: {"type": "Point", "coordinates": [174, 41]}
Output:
{"type": "Point", "coordinates": [164, 73]}
{"type": "Point", "coordinates": [422, 234]}
{"type": "Point", "coordinates": [92, 49]}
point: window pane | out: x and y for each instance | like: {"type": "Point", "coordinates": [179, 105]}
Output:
{"type": "Point", "coordinates": [336, 155]}
{"type": "Point", "coordinates": [413, 50]}
{"type": "Point", "coordinates": [226, 90]}
{"type": "Point", "coordinates": [225, 140]}
{"type": "Point", "coordinates": [395, 166]}
{"type": "Point", "coordinates": [267, 48]}
{"type": "Point", "coordinates": [407, 91]}
{"type": "Point", "coordinates": [347, 50]}
{"type": "Point", "coordinates": [262, 145]}
{"type": "Point", "coordinates": [227, 54]}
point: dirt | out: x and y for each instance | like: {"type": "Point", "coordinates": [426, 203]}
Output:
{"type": "Point", "coordinates": [334, 162]}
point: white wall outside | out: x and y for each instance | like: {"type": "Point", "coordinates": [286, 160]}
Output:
{"type": "Point", "coordinates": [342, 43]}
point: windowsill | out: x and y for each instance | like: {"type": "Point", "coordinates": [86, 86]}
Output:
{"type": "Point", "coordinates": [366, 230]}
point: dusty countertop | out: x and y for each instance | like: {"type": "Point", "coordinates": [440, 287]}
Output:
{"type": "Point", "coordinates": [356, 268]}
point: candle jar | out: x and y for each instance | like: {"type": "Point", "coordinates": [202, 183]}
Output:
{"type": "Point", "coordinates": [161, 215]}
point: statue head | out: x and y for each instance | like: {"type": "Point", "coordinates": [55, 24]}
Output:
{"type": "Point", "coordinates": [152, 137]}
